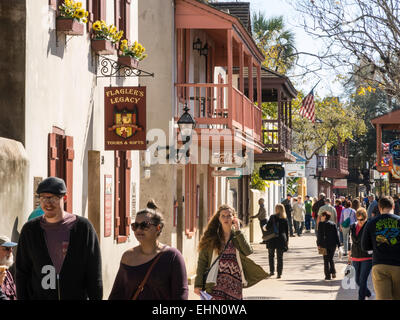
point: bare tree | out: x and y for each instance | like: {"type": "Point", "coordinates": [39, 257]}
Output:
{"type": "Point", "coordinates": [362, 39]}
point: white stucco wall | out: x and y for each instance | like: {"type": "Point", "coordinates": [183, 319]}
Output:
{"type": "Point", "coordinates": [61, 90]}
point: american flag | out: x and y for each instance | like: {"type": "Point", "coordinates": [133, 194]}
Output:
{"type": "Point", "coordinates": [385, 147]}
{"type": "Point", "coordinates": [307, 109]}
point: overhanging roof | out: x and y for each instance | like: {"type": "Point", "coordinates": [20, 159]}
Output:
{"type": "Point", "coordinates": [270, 82]}
{"type": "Point", "coordinates": [241, 10]}
{"type": "Point", "coordinates": [388, 121]}
{"type": "Point", "coordinates": [198, 14]}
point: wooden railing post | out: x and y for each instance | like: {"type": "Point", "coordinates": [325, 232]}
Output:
{"type": "Point", "coordinates": [230, 77]}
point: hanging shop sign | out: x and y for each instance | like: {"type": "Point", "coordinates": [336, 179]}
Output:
{"type": "Point", "coordinates": [272, 172]}
{"type": "Point", "coordinates": [394, 150]}
{"type": "Point", "coordinates": [340, 183]}
{"type": "Point", "coordinates": [295, 170]}
{"type": "Point", "coordinates": [125, 118]}
{"type": "Point", "coordinates": [226, 159]}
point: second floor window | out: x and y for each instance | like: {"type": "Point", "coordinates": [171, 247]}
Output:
{"type": "Point", "coordinates": [122, 16]}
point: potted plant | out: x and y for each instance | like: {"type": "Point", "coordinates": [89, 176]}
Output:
{"type": "Point", "coordinates": [72, 18]}
{"type": "Point", "coordinates": [105, 37]}
{"type": "Point", "coordinates": [131, 55]}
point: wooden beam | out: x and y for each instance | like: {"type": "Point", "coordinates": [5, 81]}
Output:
{"type": "Point", "coordinates": [230, 72]}
{"type": "Point", "coordinates": [379, 143]}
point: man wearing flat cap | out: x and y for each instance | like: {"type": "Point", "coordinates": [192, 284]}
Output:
{"type": "Point", "coordinates": [58, 255]}
{"type": "Point", "coordinates": [7, 285]}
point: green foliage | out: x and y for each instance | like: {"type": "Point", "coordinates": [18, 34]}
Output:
{"type": "Point", "coordinates": [291, 185]}
{"type": "Point", "coordinates": [275, 42]}
{"type": "Point", "coordinates": [257, 183]}
{"type": "Point", "coordinates": [340, 121]}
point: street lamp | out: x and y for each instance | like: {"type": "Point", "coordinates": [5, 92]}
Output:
{"type": "Point", "coordinates": [186, 125]}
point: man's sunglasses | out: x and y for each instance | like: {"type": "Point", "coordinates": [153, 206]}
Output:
{"type": "Point", "coordinates": [9, 249]}
{"type": "Point", "coordinates": [145, 225]}
{"type": "Point", "coordinates": [362, 219]}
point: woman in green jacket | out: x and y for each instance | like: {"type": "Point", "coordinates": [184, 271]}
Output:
{"type": "Point", "coordinates": [233, 270]}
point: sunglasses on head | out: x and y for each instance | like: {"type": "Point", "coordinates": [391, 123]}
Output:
{"type": "Point", "coordinates": [361, 219]}
{"type": "Point", "coordinates": [145, 225]}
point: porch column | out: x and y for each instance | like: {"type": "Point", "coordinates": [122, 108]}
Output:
{"type": "Point", "coordinates": [379, 143]}
{"type": "Point", "coordinates": [230, 84]}
{"type": "Point", "coordinates": [279, 120]}
{"type": "Point", "coordinates": [251, 87]}
{"type": "Point", "coordinates": [241, 65]}
{"type": "Point", "coordinates": [257, 122]}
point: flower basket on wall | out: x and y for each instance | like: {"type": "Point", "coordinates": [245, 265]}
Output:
{"type": "Point", "coordinates": [103, 47]}
{"type": "Point", "coordinates": [128, 61]}
{"type": "Point", "coordinates": [69, 26]}
{"type": "Point", "coordinates": [72, 18]}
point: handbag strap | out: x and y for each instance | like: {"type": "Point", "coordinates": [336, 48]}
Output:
{"type": "Point", "coordinates": [209, 269]}
{"type": "Point", "coordinates": [146, 277]}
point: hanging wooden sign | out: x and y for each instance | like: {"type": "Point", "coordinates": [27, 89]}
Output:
{"type": "Point", "coordinates": [272, 172]}
{"type": "Point", "coordinates": [125, 118]}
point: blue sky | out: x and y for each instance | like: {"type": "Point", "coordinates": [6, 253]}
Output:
{"type": "Point", "coordinates": [304, 42]}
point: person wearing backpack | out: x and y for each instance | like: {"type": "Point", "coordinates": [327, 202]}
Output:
{"type": "Point", "coordinates": [279, 223]}
{"type": "Point", "coordinates": [347, 218]}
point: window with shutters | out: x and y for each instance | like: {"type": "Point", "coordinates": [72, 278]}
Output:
{"type": "Point", "coordinates": [122, 9]}
{"type": "Point", "coordinates": [60, 161]}
{"type": "Point", "coordinates": [123, 165]}
{"type": "Point", "coordinates": [191, 191]}
{"type": "Point", "coordinates": [97, 11]}
{"type": "Point", "coordinates": [54, 3]}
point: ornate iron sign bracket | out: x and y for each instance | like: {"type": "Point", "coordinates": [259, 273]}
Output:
{"type": "Point", "coordinates": [109, 68]}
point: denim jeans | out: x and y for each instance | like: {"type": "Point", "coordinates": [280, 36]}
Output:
{"type": "Point", "coordinates": [308, 221]}
{"type": "Point", "coordinates": [298, 227]}
{"type": "Point", "coordinates": [363, 269]}
{"type": "Point", "coordinates": [340, 236]}
{"type": "Point", "coordinates": [346, 232]}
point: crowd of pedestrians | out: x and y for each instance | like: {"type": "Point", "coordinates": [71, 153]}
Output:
{"type": "Point", "coordinates": [58, 254]}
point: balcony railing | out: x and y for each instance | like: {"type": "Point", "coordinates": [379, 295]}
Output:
{"type": "Point", "coordinates": [332, 162]}
{"type": "Point", "coordinates": [277, 137]}
{"type": "Point", "coordinates": [209, 105]}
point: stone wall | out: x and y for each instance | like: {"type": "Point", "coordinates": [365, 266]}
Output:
{"type": "Point", "coordinates": [14, 169]}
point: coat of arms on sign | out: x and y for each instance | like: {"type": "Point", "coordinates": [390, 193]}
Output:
{"type": "Point", "coordinates": [125, 122]}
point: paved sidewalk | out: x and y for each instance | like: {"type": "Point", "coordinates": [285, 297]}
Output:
{"type": "Point", "coordinates": [303, 275]}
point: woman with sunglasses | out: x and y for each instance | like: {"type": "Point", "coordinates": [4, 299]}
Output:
{"type": "Point", "coordinates": [361, 260]}
{"type": "Point", "coordinates": [224, 248]}
{"type": "Point", "coordinates": [167, 280]}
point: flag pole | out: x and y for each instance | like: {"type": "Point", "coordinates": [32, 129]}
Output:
{"type": "Point", "coordinates": [315, 85]}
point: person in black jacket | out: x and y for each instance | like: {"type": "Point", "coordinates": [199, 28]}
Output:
{"type": "Point", "coordinates": [315, 208]}
{"type": "Point", "coordinates": [288, 209]}
{"type": "Point", "coordinates": [362, 260]}
{"type": "Point", "coordinates": [280, 243]}
{"type": "Point", "coordinates": [328, 238]}
{"type": "Point", "coordinates": [58, 255]}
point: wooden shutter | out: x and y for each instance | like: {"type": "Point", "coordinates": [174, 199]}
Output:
{"type": "Point", "coordinates": [128, 166]}
{"type": "Point", "coordinates": [52, 155]}
{"type": "Point", "coordinates": [91, 18]}
{"type": "Point", "coordinates": [117, 14]}
{"type": "Point", "coordinates": [127, 19]}
{"type": "Point", "coordinates": [69, 173]}
{"type": "Point", "coordinates": [116, 199]}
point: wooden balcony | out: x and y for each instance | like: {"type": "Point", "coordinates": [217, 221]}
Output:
{"type": "Point", "coordinates": [277, 139]}
{"type": "Point", "coordinates": [221, 108]}
{"type": "Point", "coordinates": [332, 167]}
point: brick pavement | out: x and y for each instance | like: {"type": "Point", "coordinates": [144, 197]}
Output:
{"type": "Point", "coordinates": [303, 275]}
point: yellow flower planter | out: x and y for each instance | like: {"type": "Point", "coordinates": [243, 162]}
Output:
{"type": "Point", "coordinates": [69, 26]}
{"type": "Point", "coordinates": [104, 47]}
{"type": "Point", "coordinates": [128, 61]}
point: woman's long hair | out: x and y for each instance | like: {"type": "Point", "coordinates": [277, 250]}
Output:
{"type": "Point", "coordinates": [212, 237]}
{"type": "Point", "coordinates": [355, 204]}
{"type": "Point", "coordinates": [280, 211]}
